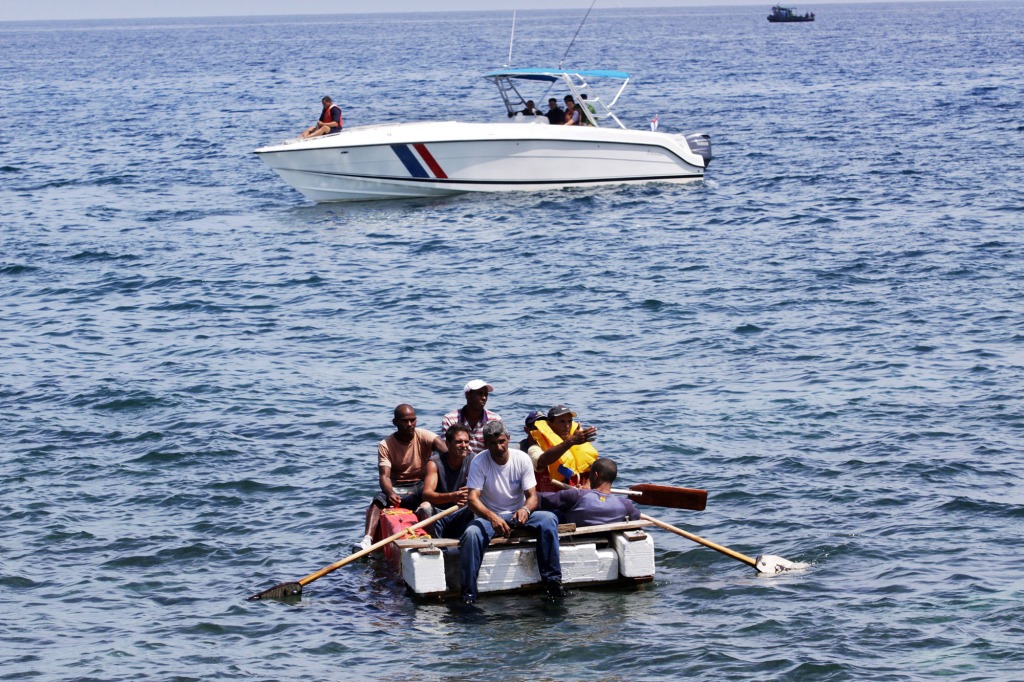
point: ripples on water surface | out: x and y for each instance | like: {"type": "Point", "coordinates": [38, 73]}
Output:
{"type": "Point", "coordinates": [826, 334]}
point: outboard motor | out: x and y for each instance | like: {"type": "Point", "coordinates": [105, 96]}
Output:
{"type": "Point", "coordinates": [700, 143]}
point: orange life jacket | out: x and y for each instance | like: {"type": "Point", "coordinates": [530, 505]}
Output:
{"type": "Point", "coordinates": [326, 116]}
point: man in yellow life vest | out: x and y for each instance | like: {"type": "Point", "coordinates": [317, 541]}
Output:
{"type": "Point", "coordinates": [564, 446]}
{"type": "Point", "coordinates": [531, 448]}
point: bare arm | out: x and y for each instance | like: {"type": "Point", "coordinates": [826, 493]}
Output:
{"type": "Point", "coordinates": [531, 500]}
{"type": "Point", "coordinates": [385, 485]}
{"type": "Point", "coordinates": [522, 515]}
{"type": "Point", "coordinates": [578, 437]}
{"type": "Point", "coordinates": [430, 493]}
{"type": "Point", "coordinates": [498, 523]}
{"type": "Point", "coordinates": [435, 498]}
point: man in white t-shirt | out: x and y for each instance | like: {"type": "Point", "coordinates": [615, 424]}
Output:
{"type": "Point", "coordinates": [503, 494]}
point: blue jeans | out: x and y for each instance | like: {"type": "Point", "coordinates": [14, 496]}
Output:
{"type": "Point", "coordinates": [453, 525]}
{"type": "Point", "coordinates": [479, 534]}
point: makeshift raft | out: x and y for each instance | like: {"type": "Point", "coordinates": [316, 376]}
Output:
{"type": "Point", "coordinates": [614, 554]}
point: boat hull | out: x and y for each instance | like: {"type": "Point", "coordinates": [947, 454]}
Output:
{"type": "Point", "coordinates": [447, 158]}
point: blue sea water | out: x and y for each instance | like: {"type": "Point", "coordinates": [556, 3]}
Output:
{"type": "Point", "coordinates": [827, 333]}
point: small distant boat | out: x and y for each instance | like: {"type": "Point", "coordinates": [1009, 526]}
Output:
{"type": "Point", "coordinates": [784, 14]}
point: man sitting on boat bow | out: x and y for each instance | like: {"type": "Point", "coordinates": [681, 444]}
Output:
{"type": "Point", "coordinates": [503, 494]}
{"type": "Point", "coordinates": [329, 121]}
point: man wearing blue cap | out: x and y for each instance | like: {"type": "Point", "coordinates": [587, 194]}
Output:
{"type": "Point", "coordinates": [530, 446]}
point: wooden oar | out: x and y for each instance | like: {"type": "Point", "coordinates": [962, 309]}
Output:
{"type": "Point", "coordinates": [666, 496]}
{"type": "Point", "coordinates": [661, 495]}
{"type": "Point", "coordinates": [765, 563]}
{"type": "Point", "coordinates": [295, 589]}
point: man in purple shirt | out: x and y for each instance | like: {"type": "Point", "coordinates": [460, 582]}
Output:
{"type": "Point", "coordinates": [597, 505]}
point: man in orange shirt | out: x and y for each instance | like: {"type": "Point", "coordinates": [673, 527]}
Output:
{"type": "Point", "coordinates": [402, 465]}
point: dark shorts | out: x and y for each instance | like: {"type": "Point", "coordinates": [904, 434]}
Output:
{"type": "Point", "coordinates": [411, 496]}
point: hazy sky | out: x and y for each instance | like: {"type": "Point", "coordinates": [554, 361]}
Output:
{"type": "Point", "coordinates": [21, 10]}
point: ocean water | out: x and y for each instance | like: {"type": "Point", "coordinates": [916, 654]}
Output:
{"type": "Point", "coordinates": [827, 333]}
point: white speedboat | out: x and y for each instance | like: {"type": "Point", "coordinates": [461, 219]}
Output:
{"type": "Point", "coordinates": [519, 153]}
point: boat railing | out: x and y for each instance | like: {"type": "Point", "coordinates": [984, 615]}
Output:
{"type": "Point", "coordinates": [578, 87]}
{"type": "Point", "coordinates": [594, 111]}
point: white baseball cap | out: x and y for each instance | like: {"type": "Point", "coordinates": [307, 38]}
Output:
{"type": "Point", "coordinates": [476, 385]}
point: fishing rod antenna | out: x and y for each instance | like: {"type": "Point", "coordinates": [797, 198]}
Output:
{"type": "Point", "coordinates": [577, 33]}
{"type": "Point", "coordinates": [511, 38]}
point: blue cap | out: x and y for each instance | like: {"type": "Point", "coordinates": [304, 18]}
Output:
{"type": "Point", "coordinates": [558, 411]}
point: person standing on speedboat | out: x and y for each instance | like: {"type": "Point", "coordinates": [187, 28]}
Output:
{"type": "Point", "coordinates": [530, 110]}
{"type": "Point", "coordinates": [572, 114]}
{"type": "Point", "coordinates": [556, 116]}
{"type": "Point", "coordinates": [329, 121]}
{"type": "Point", "coordinates": [590, 108]}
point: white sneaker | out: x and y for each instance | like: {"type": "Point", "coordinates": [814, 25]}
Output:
{"type": "Point", "coordinates": [365, 543]}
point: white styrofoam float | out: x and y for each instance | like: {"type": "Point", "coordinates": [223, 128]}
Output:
{"type": "Point", "coordinates": [616, 553]}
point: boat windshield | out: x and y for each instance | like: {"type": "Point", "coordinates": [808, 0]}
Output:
{"type": "Point", "coordinates": [517, 86]}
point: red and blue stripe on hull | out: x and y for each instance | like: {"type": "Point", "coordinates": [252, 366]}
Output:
{"type": "Point", "coordinates": [418, 160]}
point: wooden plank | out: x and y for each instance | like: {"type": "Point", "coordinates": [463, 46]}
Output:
{"type": "Point", "coordinates": [426, 542]}
{"type": "Point", "coordinates": [609, 527]}
{"type": "Point", "coordinates": [419, 543]}
{"type": "Point", "coordinates": [565, 530]}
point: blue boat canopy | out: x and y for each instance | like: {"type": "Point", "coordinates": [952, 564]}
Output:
{"type": "Point", "coordinates": [554, 74]}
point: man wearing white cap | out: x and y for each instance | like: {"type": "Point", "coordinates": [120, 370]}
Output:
{"type": "Point", "coordinates": [473, 415]}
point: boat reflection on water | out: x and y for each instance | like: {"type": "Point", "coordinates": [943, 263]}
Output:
{"type": "Point", "coordinates": [518, 153]}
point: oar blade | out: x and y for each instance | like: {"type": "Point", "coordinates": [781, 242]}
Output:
{"type": "Point", "coordinates": [769, 564]}
{"type": "Point", "coordinates": [282, 591]}
{"type": "Point", "coordinates": [669, 496]}
{"type": "Point", "coordinates": [285, 590]}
